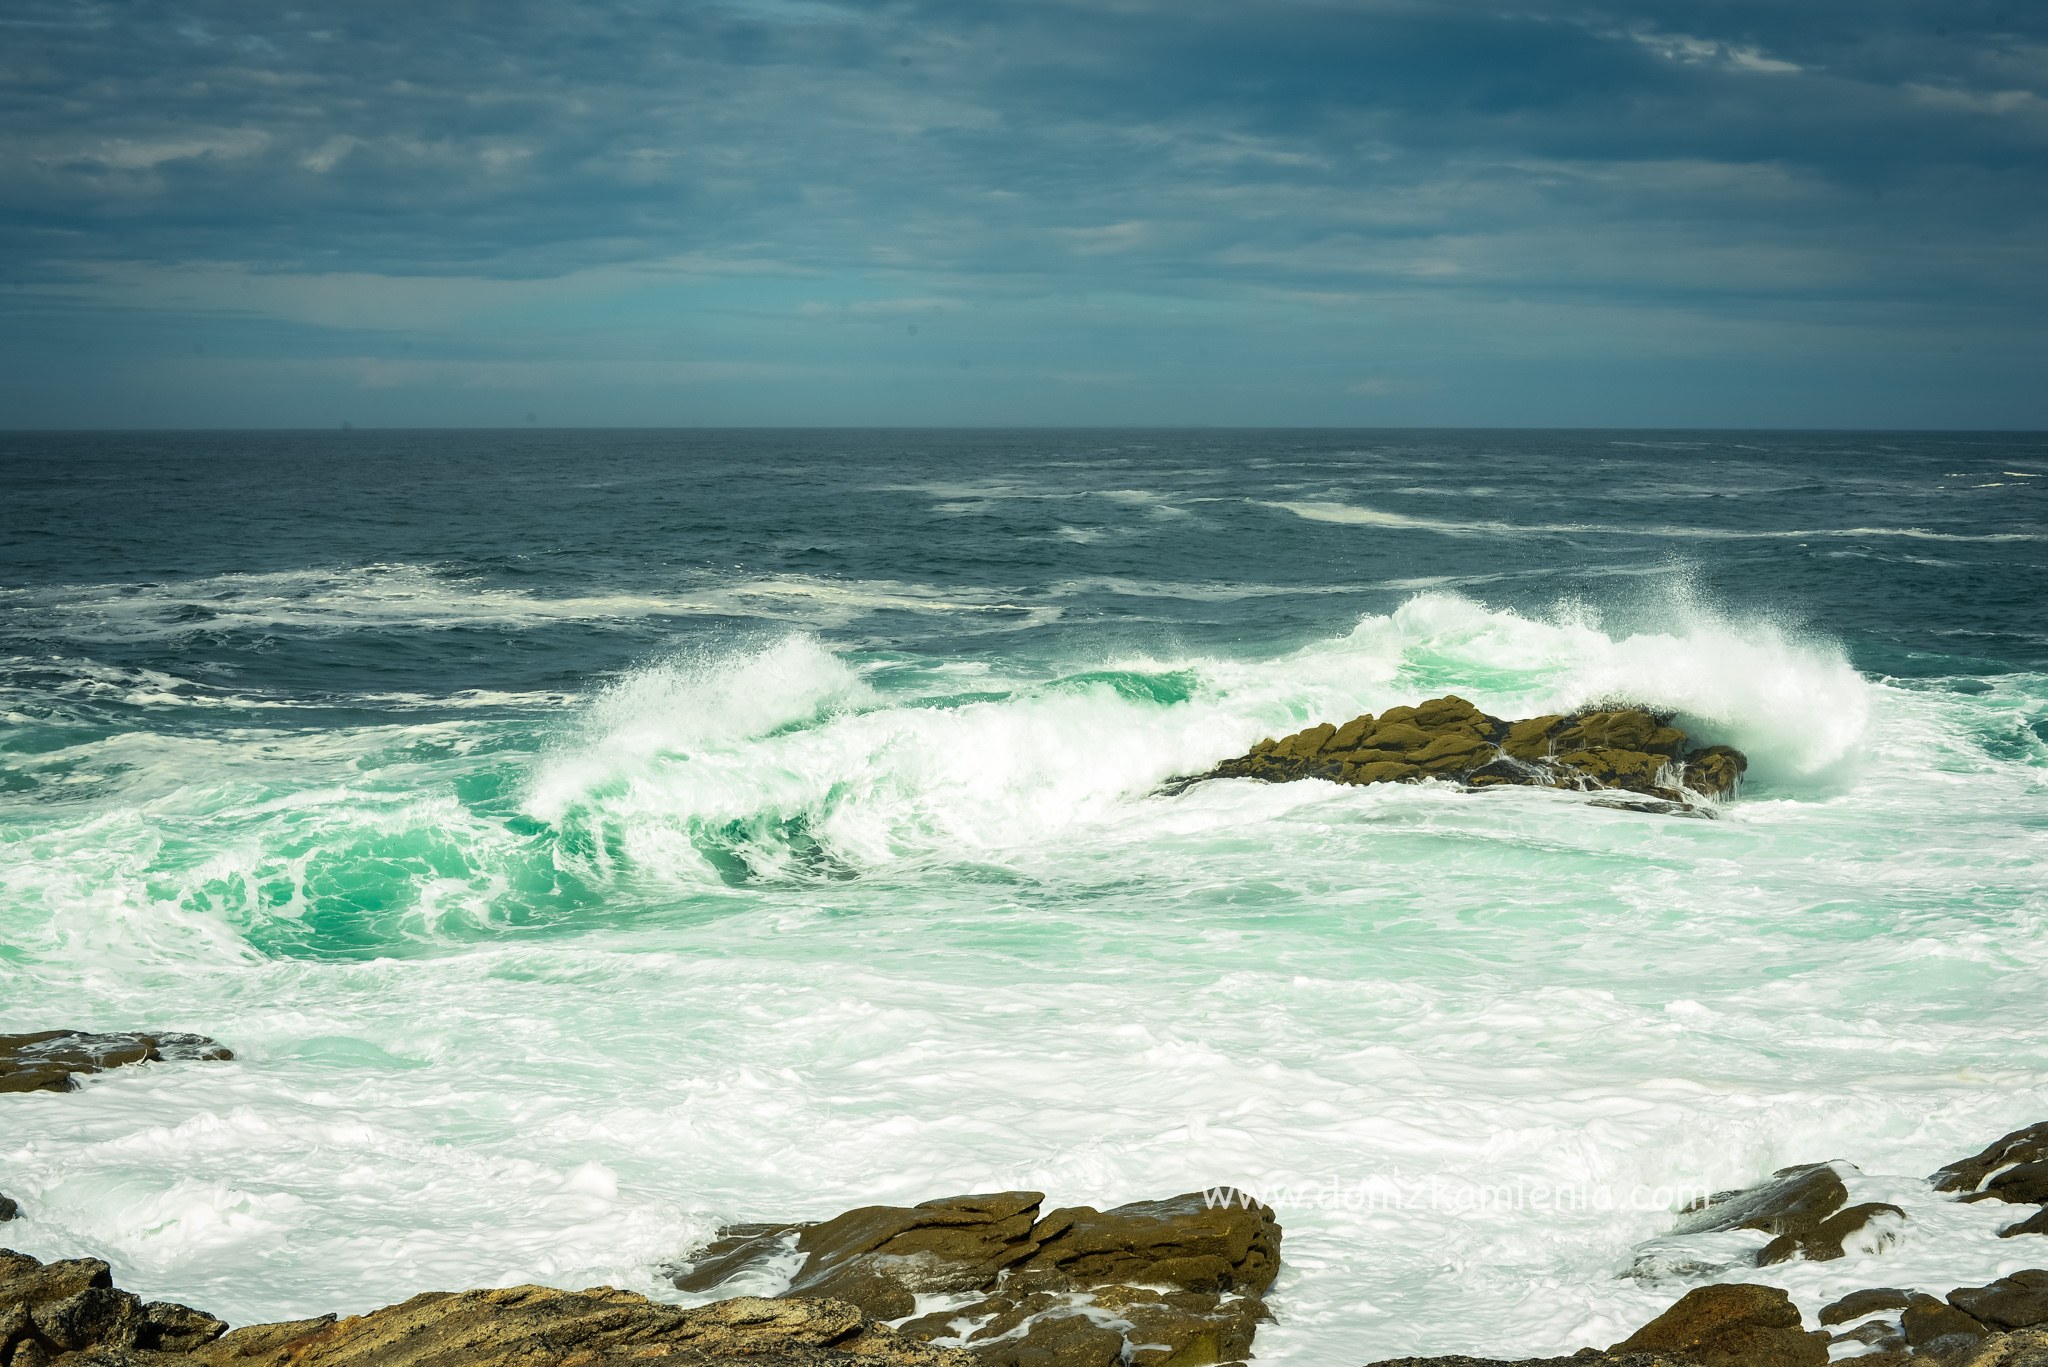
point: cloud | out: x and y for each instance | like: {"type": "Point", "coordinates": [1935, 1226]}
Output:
{"type": "Point", "coordinates": [620, 177]}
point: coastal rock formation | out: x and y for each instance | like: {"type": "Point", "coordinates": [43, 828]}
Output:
{"type": "Point", "coordinates": [1622, 749]}
{"type": "Point", "coordinates": [1174, 1283]}
{"type": "Point", "coordinates": [9, 1207]}
{"type": "Point", "coordinates": [2013, 1168]}
{"type": "Point", "coordinates": [51, 1060]}
{"type": "Point", "coordinates": [1806, 1208]}
{"type": "Point", "coordinates": [68, 1314]}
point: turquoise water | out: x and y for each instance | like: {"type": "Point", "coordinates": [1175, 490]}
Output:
{"type": "Point", "coordinates": [586, 838]}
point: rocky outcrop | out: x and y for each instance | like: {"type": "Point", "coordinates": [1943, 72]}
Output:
{"type": "Point", "coordinates": [1175, 1283]}
{"type": "Point", "coordinates": [1739, 1326]}
{"type": "Point", "coordinates": [68, 1314]}
{"type": "Point", "coordinates": [1625, 750]}
{"type": "Point", "coordinates": [51, 1060]}
{"type": "Point", "coordinates": [2013, 1168]}
{"type": "Point", "coordinates": [1805, 1208]}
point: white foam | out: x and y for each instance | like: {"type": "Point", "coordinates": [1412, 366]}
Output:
{"type": "Point", "coordinates": [972, 952]}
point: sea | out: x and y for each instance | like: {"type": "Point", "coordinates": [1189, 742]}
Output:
{"type": "Point", "coordinates": [585, 839]}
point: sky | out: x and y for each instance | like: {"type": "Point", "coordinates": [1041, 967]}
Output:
{"type": "Point", "coordinates": [1761, 213]}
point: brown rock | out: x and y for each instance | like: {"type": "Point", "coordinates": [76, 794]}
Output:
{"type": "Point", "coordinates": [1195, 1242]}
{"type": "Point", "coordinates": [1857, 1304]}
{"type": "Point", "coordinates": [173, 1328]}
{"type": "Point", "coordinates": [50, 1060]}
{"type": "Point", "coordinates": [1449, 739]}
{"type": "Point", "coordinates": [1046, 1285]}
{"type": "Point", "coordinates": [2037, 1223]}
{"type": "Point", "coordinates": [1933, 1326]}
{"type": "Point", "coordinates": [2019, 1301]}
{"type": "Point", "coordinates": [2021, 1146]}
{"type": "Point", "coordinates": [2024, 1184]}
{"type": "Point", "coordinates": [1739, 1326]}
{"type": "Point", "coordinates": [1801, 1206]}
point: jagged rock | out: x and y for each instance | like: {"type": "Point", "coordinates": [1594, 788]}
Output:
{"type": "Point", "coordinates": [880, 1257]}
{"type": "Point", "coordinates": [1740, 1326]}
{"type": "Point", "coordinates": [2019, 1301]}
{"type": "Point", "coordinates": [2017, 1168]}
{"type": "Point", "coordinates": [1804, 1208]}
{"type": "Point", "coordinates": [69, 1315]}
{"type": "Point", "coordinates": [1173, 1283]}
{"type": "Point", "coordinates": [50, 1060]}
{"type": "Point", "coordinates": [1447, 738]}
{"type": "Point", "coordinates": [2021, 1146]}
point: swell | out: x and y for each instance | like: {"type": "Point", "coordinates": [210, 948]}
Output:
{"type": "Point", "coordinates": [785, 762]}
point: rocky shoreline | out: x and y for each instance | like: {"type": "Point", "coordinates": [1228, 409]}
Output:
{"type": "Point", "coordinates": [1619, 750]}
{"type": "Point", "coordinates": [992, 1280]}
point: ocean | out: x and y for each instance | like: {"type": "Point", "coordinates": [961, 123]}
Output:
{"type": "Point", "coordinates": [587, 838]}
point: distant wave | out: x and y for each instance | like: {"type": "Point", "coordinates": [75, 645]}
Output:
{"type": "Point", "coordinates": [1356, 515]}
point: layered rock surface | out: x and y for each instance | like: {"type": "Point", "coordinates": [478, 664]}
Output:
{"type": "Point", "coordinates": [1621, 749]}
{"type": "Point", "coordinates": [52, 1060]}
{"type": "Point", "coordinates": [69, 1314]}
{"type": "Point", "coordinates": [1174, 1283]}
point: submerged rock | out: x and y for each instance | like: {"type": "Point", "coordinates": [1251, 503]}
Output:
{"type": "Point", "coordinates": [1620, 749]}
{"type": "Point", "coordinates": [64, 1313]}
{"type": "Point", "coordinates": [50, 1060]}
{"type": "Point", "coordinates": [1175, 1283]}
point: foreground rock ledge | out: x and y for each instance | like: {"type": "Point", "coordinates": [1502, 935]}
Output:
{"type": "Point", "coordinates": [69, 1314]}
{"type": "Point", "coordinates": [1620, 749]}
{"type": "Point", "coordinates": [1173, 1283]}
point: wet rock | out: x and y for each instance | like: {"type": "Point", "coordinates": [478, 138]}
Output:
{"type": "Point", "coordinates": [1624, 749]}
{"type": "Point", "coordinates": [1938, 1328]}
{"type": "Point", "coordinates": [737, 1249]}
{"type": "Point", "coordinates": [9, 1208]}
{"type": "Point", "coordinates": [881, 1257]}
{"type": "Point", "coordinates": [2022, 1184]}
{"type": "Point", "coordinates": [48, 1319]}
{"type": "Point", "coordinates": [1857, 1304]}
{"type": "Point", "coordinates": [2019, 1301]}
{"type": "Point", "coordinates": [1804, 1208]}
{"type": "Point", "coordinates": [2027, 1145]}
{"type": "Point", "coordinates": [1174, 1283]}
{"type": "Point", "coordinates": [2012, 1168]}
{"type": "Point", "coordinates": [2037, 1223]}
{"type": "Point", "coordinates": [51, 1060]}
{"type": "Point", "coordinates": [1737, 1325]}
{"type": "Point", "coordinates": [1197, 1242]}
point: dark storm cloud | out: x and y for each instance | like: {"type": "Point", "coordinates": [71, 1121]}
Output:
{"type": "Point", "coordinates": [1747, 159]}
